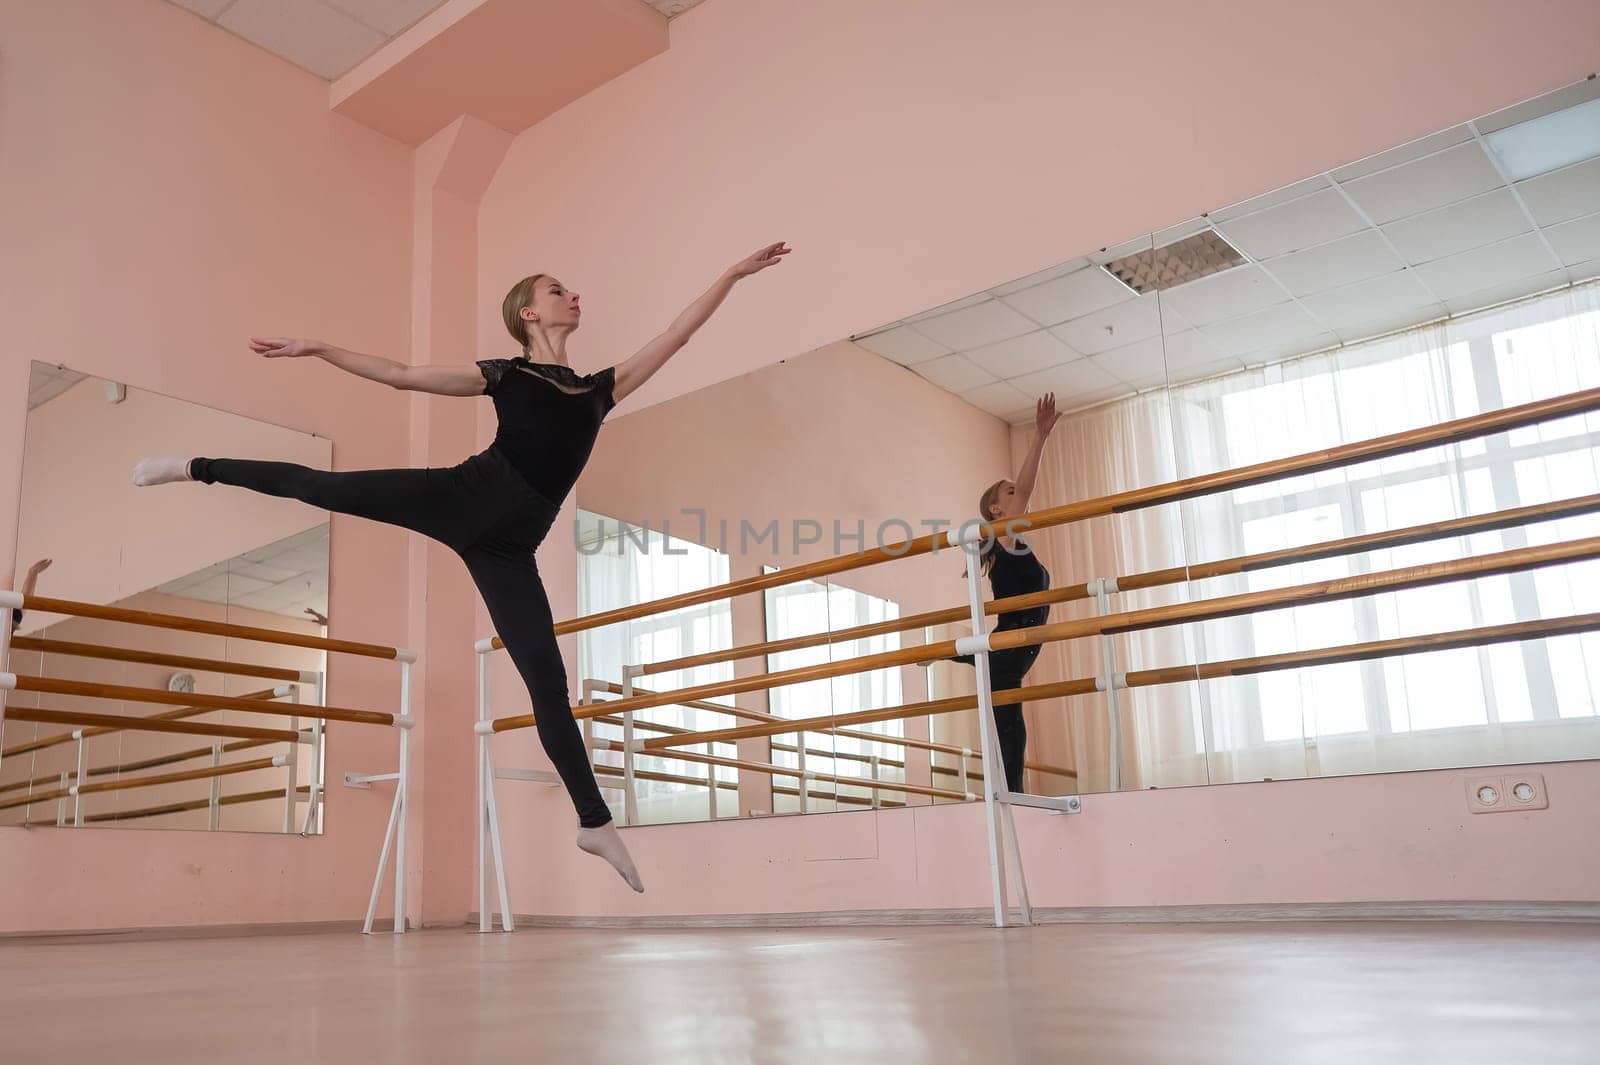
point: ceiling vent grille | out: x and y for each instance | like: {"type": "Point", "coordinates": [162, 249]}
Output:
{"type": "Point", "coordinates": [1190, 259]}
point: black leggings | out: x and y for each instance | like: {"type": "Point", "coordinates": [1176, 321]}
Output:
{"type": "Point", "coordinates": [1006, 670]}
{"type": "Point", "coordinates": [485, 512]}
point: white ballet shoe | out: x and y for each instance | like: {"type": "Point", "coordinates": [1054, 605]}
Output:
{"type": "Point", "coordinates": [605, 842]}
{"type": "Point", "coordinates": [160, 471]}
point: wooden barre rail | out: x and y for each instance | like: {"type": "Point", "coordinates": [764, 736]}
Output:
{"type": "Point", "coordinates": [146, 763]}
{"type": "Point", "coordinates": [144, 782]}
{"type": "Point", "coordinates": [196, 804]}
{"type": "Point", "coordinates": [209, 628]}
{"type": "Point", "coordinates": [120, 723]}
{"type": "Point", "coordinates": [1445, 641]}
{"type": "Point", "coordinates": [812, 752]}
{"type": "Point", "coordinates": [169, 715]}
{"type": "Point", "coordinates": [1451, 432]}
{"type": "Point", "coordinates": [52, 686]}
{"type": "Point", "coordinates": [1495, 564]}
{"type": "Point", "coordinates": [856, 734]}
{"type": "Point", "coordinates": [730, 785]}
{"type": "Point", "coordinates": [1377, 541]}
{"type": "Point", "coordinates": [768, 769]}
{"type": "Point", "coordinates": [152, 658]}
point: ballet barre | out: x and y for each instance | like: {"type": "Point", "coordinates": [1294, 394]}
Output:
{"type": "Point", "coordinates": [1000, 827]}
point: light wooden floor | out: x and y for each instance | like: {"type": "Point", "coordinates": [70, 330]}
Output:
{"type": "Point", "coordinates": [1366, 993]}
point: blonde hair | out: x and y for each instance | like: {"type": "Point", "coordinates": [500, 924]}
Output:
{"type": "Point", "coordinates": [990, 497]}
{"type": "Point", "coordinates": [520, 296]}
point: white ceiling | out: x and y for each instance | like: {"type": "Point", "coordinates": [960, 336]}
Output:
{"type": "Point", "coordinates": [1428, 230]}
{"type": "Point", "coordinates": [284, 577]}
{"type": "Point", "coordinates": [329, 37]}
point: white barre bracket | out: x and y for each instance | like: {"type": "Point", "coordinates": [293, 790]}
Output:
{"type": "Point", "coordinates": [1060, 804]}
{"type": "Point", "coordinates": [538, 776]}
{"type": "Point", "coordinates": [971, 645]}
{"type": "Point", "coordinates": [484, 646]}
{"type": "Point", "coordinates": [366, 780]}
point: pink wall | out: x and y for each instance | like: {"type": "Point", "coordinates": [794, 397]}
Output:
{"type": "Point", "coordinates": [914, 154]}
{"type": "Point", "coordinates": [1396, 838]}
{"type": "Point", "coordinates": [110, 539]}
{"type": "Point", "coordinates": [175, 190]}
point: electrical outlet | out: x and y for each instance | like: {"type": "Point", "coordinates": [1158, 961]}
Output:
{"type": "Point", "coordinates": [1486, 795]}
{"type": "Point", "coordinates": [1506, 794]}
{"type": "Point", "coordinates": [1525, 791]}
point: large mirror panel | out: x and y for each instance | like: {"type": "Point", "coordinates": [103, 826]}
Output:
{"type": "Point", "coordinates": [93, 539]}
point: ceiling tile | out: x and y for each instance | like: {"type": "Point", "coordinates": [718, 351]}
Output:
{"type": "Point", "coordinates": [1283, 325]}
{"type": "Point", "coordinates": [1564, 194]}
{"type": "Point", "coordinates": [999, 399]}
{"type": "Point", "coordinates": [1406, 153]}
{"type": "Point", "coordinates": [1585, 271]}
{"type": "Point", "coordinates": [1310, 220]}
{"type": "Point", "coordinates": [1270, 199]}
{"type": "Point", "coordinates": [1048, 274]}
{"type": "Point", "coordinates": [954, 373]}
{"type": "Point", "coordinates": [1577, 241]}
{"type": "Point", "coordinates": [1076, 382]}
{"type": "Point", "coordinates": [1485, 219]}
{"type": "Point", "coordinates": [1188, 349]}
{"type": "Point", "coordinates": [904, 345]}
{"type": "Point", "coordinates": [1232, 293]}
{"type": "Point", "coordinates": [945, 308]}
{"type": "Point", "coordinates": [1351, 310]}
{"type": "Point", "coordinates": [1438, 180]}
{"type": "Point", "coordinates": [1118, 251]}
{"type": "Point", "coordinates": [1114, 326]}
{"type": "Point", "coordinates": [1141, 365]}
{"type": "Point", "coordinates": [1355, 258]}
{"type": "Point", "coordinates": [1025, 354]}
{"type": "Point", "coordinates": [1485, 267]}
{"type": "Point", "coordinates": [1200, 371]}
{"type": "Point", "coordinates": [1173, 234]}
{"type": "Point", "coordinates": [987, 322]}
{"type": "Point", "coordinates": [1551, 102]}
{"type": "Point", "coordinates": [311, 35]}
{"type": "Point", "coordinates": [389, 16]}
{"type": "Point", "coordinates": [1078, 293]}
{"type": "Point", "coordinates": [1505, 293]}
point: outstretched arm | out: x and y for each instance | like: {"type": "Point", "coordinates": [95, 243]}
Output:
{"type": "Point", "coordinates": [28, 582]}
{"type": "Point", "coordinates": [643, 364]}
{"type": "Point", "coordinates": [439, 380]}
{"type": "Point", "coordinates": [1044, 420]}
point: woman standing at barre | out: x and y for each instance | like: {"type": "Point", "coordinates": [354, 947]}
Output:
{"type": "Point", "coordinates": [495, 508]}
{"type": "Point", "coordinates": [1014, 569]}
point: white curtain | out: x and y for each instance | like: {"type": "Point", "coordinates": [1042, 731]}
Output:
{"type": "Point", "coordinates": [808, 607]}
{"type": "Point", "coordinates": [1508, 703]}
{"type": "Point", "coordinates": [621, 565]}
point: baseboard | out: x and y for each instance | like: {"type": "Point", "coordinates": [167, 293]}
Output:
{"type": "Point", "coordinates": [1342, 911]}
{"type": "Point", "coordinates": [204, 931]}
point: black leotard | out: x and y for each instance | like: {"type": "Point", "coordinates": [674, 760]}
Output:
{"type": "Point", "coordinates": [549, 418]}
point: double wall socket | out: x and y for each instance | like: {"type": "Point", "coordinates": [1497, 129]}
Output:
{"type": "Point", "coordinates": [1506, 793]}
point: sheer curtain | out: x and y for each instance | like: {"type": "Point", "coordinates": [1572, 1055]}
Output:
{"type": "Point", "coordinates": [808, 607]}
{"type": "Point", "coordinates": [1512, 702]}
{"type": "Point", "coordinates": [621, 565]}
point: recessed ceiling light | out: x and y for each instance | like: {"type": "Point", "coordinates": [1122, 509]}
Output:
{"type": "Point", "coordinates": [1549, 142]}
{"type": "Point", "coordinates": [1190, 259]}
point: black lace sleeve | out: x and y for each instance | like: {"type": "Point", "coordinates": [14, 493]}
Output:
{"type": "Point", "coordinates": [606, 381]}
{"type": "Point", "coordinates": [493, 371]}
